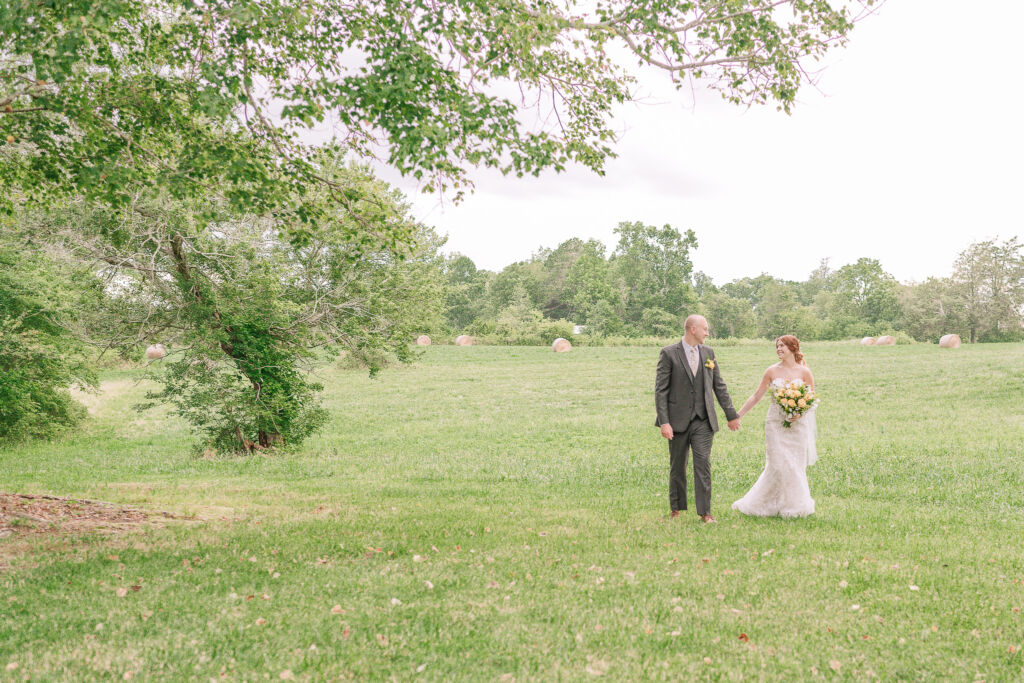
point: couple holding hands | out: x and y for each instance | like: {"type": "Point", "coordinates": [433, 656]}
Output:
{"type": "Point", "coordinates": [687, 383]}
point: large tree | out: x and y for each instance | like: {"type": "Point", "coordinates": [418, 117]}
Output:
{"type": "Point", "coordinates": [201, 97]}
{"type": "Point", "coordinates": [654, 267]}
{"type": "Point", "coordinates": [729, 316]}
{"type": "Point", "coordinates": [931, 309]}
{"type": "Point", "coordinates": [779, 312]}
{"type": "Point", "coordinates": [247, 307]}
{"type": "Point", "coordinates": [863, 299]}
{"type": "Point", "coordinates": [988, 283]}
{"type": "Point", "coordinates": [465, 291]}
{"type": "Point", "coordinates": [592, 295]}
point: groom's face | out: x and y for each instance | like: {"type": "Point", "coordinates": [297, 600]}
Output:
{"type": "Point", "coordinates": [700, 331]}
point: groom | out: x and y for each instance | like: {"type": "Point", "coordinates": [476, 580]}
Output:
{"type": "Point", "coordinates": [687, 376]}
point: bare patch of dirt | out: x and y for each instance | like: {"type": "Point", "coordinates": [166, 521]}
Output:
{"type": "Point", "coordinates": [23, 516]}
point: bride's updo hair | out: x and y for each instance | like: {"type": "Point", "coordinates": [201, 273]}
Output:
{"type": "Point", "coordinates": [793, 344]}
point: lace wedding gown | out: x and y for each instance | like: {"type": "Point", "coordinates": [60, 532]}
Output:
{"type": "Point", "coordinates": [782, 487]}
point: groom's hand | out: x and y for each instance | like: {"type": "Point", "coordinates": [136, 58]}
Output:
{"type": "Point", "coordinates": [666, 431]}
{"type": "Point", "coordinates": [734, 425]}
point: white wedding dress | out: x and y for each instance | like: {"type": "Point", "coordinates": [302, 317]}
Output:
{"type": "Point", "coordinates": [782, 487]}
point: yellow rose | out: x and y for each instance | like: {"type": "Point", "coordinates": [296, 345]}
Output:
{"type": "Point", "coordinates": [792, 403]}
{"type": "Point", "coordinates": [802, 403]}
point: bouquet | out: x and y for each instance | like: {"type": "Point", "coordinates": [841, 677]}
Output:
{"type": "Point", "coordinates": [794, 398]}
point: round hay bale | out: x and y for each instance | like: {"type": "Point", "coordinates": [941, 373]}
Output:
{"type": "Point", "coordinates": [886, 340]}
{"type": "Point", "coordinates": [867, 341]}
{"type": "Point", "coordinates": [561, 345]}
{"type": "Point", "coordinates": [423, 340]}
{"type": "Point", "coordinates": [463, 340]}
{"type": "Point", "coordinates": [950, 341]}
{"type": "Point", "coordinates": [156, 352]}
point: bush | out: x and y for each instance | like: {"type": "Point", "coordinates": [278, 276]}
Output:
{"type": "Point", "coordinates": [901, 337]}
{"type": "Point", "coordinates": [554, 329]}
{"type": "Point", "coordinates": [479, 328]}
{"type": "Point", "coordinates": [218, 400]}
{"type": "Point", "coordinates": [39, 360]}
{"type": "Point", "coordinates": [1001, 336]}
{"type": "Point", "coordinates": [520, 324]}
{"type": "Point", "coordinates": [34, 401]}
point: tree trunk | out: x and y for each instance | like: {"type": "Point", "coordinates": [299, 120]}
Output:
{"type": "Point", "coordinates": [268, 439]}
{"type": "Point", "coordinates": [248, 446]}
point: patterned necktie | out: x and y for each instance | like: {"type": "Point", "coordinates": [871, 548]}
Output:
{"type": "Point", "coordinates": [693, 361]}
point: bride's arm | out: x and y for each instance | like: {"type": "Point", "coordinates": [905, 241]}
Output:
{"type": "Point", "coordinates": [810, 378]}
{"type": "Point", "coordinates": [757, 395]}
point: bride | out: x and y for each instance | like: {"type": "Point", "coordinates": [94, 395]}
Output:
{"type": "Point", "coordinates": [782, 487]}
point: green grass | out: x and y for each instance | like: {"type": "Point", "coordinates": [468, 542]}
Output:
{"type": "Point", "coordinates": [530, 490]}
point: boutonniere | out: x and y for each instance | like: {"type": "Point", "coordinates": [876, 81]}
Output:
{"type": "Point", "coordinates": [709, 364]}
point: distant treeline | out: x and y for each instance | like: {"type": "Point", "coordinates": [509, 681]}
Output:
{"type": "Point", "coordinates": [646, 287]}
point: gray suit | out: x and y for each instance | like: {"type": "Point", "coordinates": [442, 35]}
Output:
{"type": "Point", "coordinates": [688, 404]}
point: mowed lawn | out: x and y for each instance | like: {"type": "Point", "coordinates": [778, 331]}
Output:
{"type": "Point", "coordinates": [501, 513]}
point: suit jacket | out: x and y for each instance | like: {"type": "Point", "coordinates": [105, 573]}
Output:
{"type": "Point", "coordinates": [675, 393]}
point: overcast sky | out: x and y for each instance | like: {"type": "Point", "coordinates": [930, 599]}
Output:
{"type": "Point", "coordinates": [911, 149]}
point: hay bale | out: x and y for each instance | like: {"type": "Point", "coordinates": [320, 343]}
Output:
{"type": "Point", "coordinates": [463, 340]}
{"type": "Point", "coordinates": [950, 341]}
{"type": "Point", "coordinates": [886, 340]}
{"type": "Point", "coordinates": [156, 352]}
{"type": "Point", "coordinates": [867, 341]}
{"type": "Point", "coordinates": [561, 345]}
{"type": "Point", "coordinates": [423, 340]}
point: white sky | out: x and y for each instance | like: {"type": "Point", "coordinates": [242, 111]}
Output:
{"type": "Point", "coordinates": [911, 149]}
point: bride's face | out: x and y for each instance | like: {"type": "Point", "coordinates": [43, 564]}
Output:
{"type": "Point", "coordinates": [782, 351]}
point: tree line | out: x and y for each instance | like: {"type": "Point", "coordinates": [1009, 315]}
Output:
{"type": "Point", "coordinates": [646, 286]}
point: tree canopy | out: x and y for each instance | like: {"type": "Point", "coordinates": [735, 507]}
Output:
{"type": "Point", "coordinates": [205, 97]}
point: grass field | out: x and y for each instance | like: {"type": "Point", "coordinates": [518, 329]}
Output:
{"type": "Point", "coordinates": [501, 513]}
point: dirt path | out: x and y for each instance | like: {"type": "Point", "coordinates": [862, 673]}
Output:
{"type": "Point", "coordinates": [23, 516]}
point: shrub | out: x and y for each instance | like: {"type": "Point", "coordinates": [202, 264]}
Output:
{"type": "Point", "coordinates": [39, 360]}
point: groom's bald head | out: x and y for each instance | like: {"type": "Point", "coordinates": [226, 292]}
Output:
{"type": "Point", "coordinates": [696, 329]}
{"type": "Point", "coordinates": [694, 319]}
